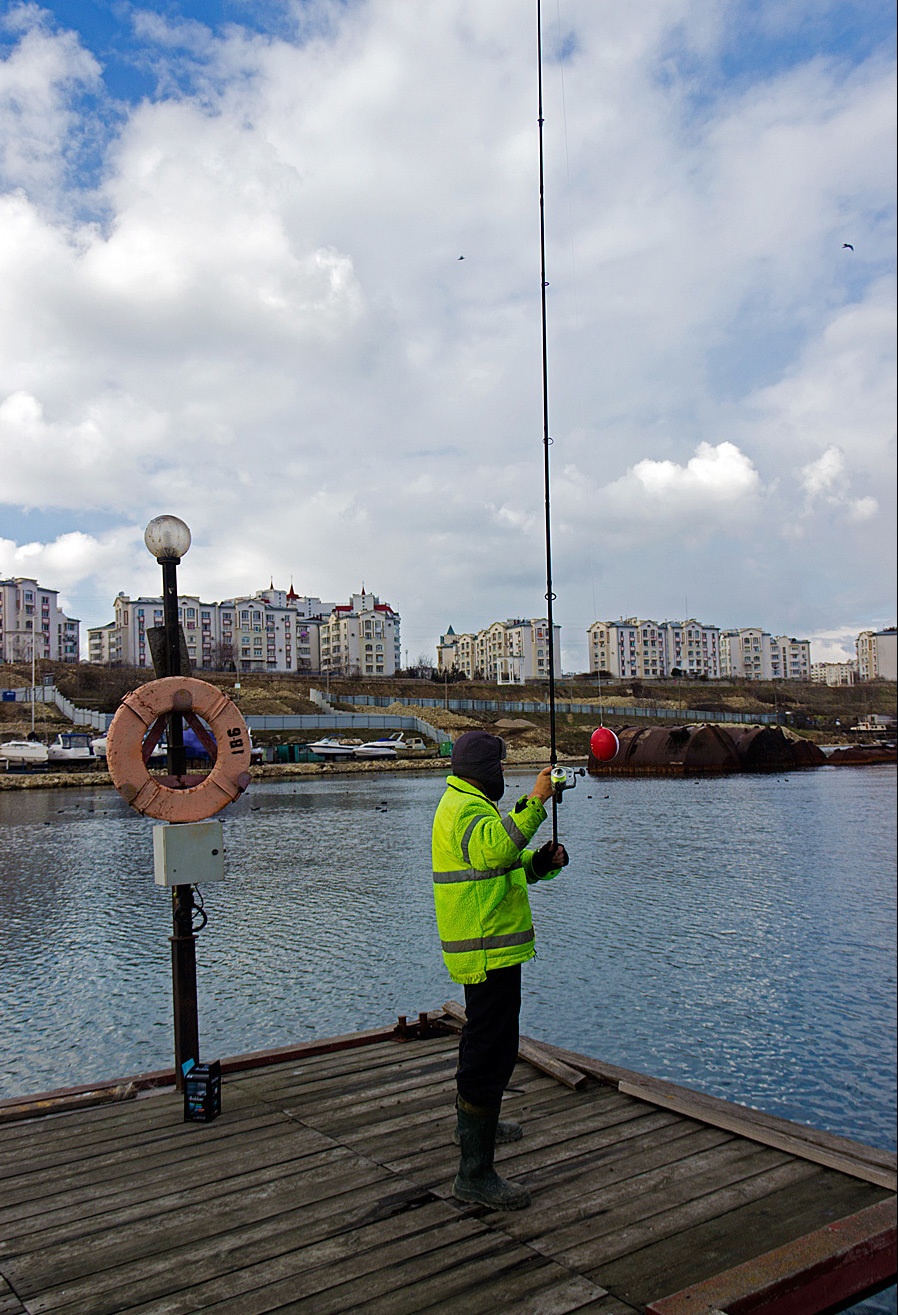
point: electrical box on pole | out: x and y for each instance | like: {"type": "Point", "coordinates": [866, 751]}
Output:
{"type": "Point", "coordinates": [188, 853]}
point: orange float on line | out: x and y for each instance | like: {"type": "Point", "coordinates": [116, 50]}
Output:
{"type": "Point", "coordinates": [198, 797]}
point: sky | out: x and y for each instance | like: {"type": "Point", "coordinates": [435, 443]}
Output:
{"type": "Point", "coordinates": [273, 266]}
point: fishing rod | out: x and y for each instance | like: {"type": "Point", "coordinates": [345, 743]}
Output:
{"type": "Point", "coordinates": [563, 778]}
{"type": "Point", "coordinates": [547, 440]}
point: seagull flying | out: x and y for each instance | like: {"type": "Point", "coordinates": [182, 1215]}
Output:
{"type": "Point", "coordinates": [846, 246]}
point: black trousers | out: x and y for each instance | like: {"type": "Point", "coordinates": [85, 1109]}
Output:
{"type": "Point", "coordinates": [488, 1048]}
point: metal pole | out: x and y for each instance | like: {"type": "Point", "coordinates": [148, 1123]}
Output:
{"type": "Point", "coordinates": [177, 758]}
{"type": "Point", "coordinates": [183, 941]}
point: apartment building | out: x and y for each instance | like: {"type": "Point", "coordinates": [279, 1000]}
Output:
{"type": "Point", "coordinates": [273, 630]}
{"type": "Point", "coordinates": [634, 649]}
{"type": "Point", "coordinates": [361, 638]}
{"type": "Point", "coordinates": [32, 623]}
{"type": "Point", "coordinates": [877, 654]}
{"type": "Point", "coordinates": [753, 654]}
{"type": "Point", "coordinates": [504, 653]}
{"type": "Point", "coordinates": [833, 673]}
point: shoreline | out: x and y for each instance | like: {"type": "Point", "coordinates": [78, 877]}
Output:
{"type": "Point", "coordinates": [537, 755]}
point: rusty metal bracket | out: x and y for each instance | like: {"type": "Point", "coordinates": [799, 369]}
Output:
{"type": "Point", "coordinates": [426, 1025]}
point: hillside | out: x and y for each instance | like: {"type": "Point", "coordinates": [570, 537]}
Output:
{"type": "Point", "coordinates": [815, 710]}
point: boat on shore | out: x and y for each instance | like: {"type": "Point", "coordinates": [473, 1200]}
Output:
{"type": "Point", "coordinates": [387, 747]}
{"type": "Point", "coordinates": [24, 753]}
{"type": "Point", "coordinates": [71, 746]}
{"type": "Point", "coordinates": [331, 749]}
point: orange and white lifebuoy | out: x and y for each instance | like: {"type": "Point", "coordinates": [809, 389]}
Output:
{"type": "Point", "coordinates": [174, 799]}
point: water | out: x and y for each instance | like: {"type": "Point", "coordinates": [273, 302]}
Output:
{"type": "Point", "coordinates": [735, 934]}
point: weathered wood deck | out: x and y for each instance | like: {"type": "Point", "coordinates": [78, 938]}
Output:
{"type": "Point", "coordinates": [325, 1187]}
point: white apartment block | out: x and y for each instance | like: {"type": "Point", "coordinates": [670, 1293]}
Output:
{"type": "Point", "coordinates": [361, 638]}
{"type": "Point", "coordinates": [833, 673]}
{"type": "Point", "coordinates": [273, 630]}
{"type": "Point", "coordinates": [752, 654]}
{"type": "Point", "coordinates": [31, 623]}
{"type": "Point", "coordinates": [504, 653]}
{"type": "Point", "coordinates": [632, 649]}
{"type": "Point", "coordinates": [877, 654]}
{"type": "Point", "coordinates": [101, 642]}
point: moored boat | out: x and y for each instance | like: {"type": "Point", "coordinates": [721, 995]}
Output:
{"type": "Point", "coordinates": [331, 748]}
{"type": "Point", "coordinates": [383, 748]}
{"type": "Point", "coordinates": [71, 746]}
{"type": "Point", "coordinates": [23, 753]}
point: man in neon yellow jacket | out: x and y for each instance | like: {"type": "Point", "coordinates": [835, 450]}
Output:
{"type": "Point", "coordinates": [482, 866]}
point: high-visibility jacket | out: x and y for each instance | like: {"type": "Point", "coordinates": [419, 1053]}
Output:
{"type": "Point", "coordinates": [481, 870]}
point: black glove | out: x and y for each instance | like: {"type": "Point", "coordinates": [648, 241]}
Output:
{"type": "Point", "coordinates": [548, 858]}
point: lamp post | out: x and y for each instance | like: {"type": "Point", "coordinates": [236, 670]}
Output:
{"type": "Point", "coordinates": [168, 539]}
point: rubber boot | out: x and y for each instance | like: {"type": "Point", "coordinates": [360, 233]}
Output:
{"type": "Point", "coordinates": [477, 1180]}
{"type": "Point", "coordinates": [506, 1131]}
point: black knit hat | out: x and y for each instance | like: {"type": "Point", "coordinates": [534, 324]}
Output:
{"type": "Point", "coordinates": [478, 756]}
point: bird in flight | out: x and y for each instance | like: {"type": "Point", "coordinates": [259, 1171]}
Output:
{"type": "Point", "coordinates": [461, 257]}
{"type": "Point", "coordinates": [847, 246]}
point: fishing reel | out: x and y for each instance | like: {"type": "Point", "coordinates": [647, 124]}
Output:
{"type": "Point", "coordinates": [564, 778]}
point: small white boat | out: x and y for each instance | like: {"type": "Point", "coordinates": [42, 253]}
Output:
{"type": "Point", "coordinates": [331, 748]}
{"type": "Point", "coordinates": [391, 745]}
{"type": "Point", "coordinates": [23, 753]}
{"type": "Point", "coordinates": [385, 748]}
{"type": "Point", "coordinates": [71, 746]}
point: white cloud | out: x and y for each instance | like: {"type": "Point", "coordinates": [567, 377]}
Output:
{"type": "Point", "coordinates": [36, 119]}
{"type": "Point", "coordinates": [716, 486]}
{"type": "Point", "coordinates": [266, 327]}
{"type": "Point", "coordinates": [824, 474]}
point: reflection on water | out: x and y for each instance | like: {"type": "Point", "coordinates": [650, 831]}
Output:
{"type": "Point", "coordinates": [734, 934]}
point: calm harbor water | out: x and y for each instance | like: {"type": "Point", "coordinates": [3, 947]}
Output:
{"type": "Point", "coordinates": [734, 934]}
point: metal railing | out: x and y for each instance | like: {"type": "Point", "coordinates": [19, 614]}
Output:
{"type": "Point", "coordinates": [586, 709]}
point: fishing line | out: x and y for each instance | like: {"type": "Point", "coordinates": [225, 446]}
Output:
{"type": "Point", "coordinates": [547, 441]}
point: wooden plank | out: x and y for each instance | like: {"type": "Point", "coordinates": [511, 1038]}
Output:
{"type": "Point", "coordinates": [724, 1115]}
{"type": "Point", "coordinates": [310, 1275]}
{"type": "Point", "coordinates": [563, 1144]}
{"type": "Point", "coordinates": [49, 1102]}
{"type": "Point", "coordinates": [704, 1104]}
{"type": "Point", "coordinates": [9, 1302]}
{"type": "Point", "coordinates": [264, 1247]}
{"type": "Point", "coordinates": [28, 1191]}
{"type": "Point", "coordinates": [63, 1099]}
{"type": "Point", "coordinates": [749, 1228]}
{"type": "Point", "coordinates": [349, 1066]}
{"type": "Point", "coordinates": [143, 1197]}
{"type": "Point", "coordinates": [530, 1108]}
{"type": "Point", "coordinates": [415, 1285]}
{"type": "Point", "coordinates": [556, 1184]}
{"type": "Point", "coordinates": [534, 1053]}
{"type": "Point", "coordinates": [681, 1200]}
{"type": "Point", "coordinates": [816, 1272]}
{"type": "Point", "coordinates": [629, 1189]}
{"type": "Point", "coordinates": [425, 1124]}
{"type": "Point", "coordinates": [32, 1108]}
{"type": "Point", "coordinates": [324, 1187]}
{"type": "Point", "coordinates": [253, 1059]}
{"type": "Point", "coordinates": [72, 1260]}
{"type": "Point", "coordinates": [415, 1228]}
{"type": "Point", "coordinates": [551, 1291]}
{"type": "Point", "coordinates": [37, 1163]}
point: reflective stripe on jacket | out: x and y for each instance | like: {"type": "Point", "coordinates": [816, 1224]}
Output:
{"type": "Point", "coordinates": [481, 869]}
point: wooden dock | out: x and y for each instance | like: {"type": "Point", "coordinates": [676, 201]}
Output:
{"type": "Point", "coordinates": [325, 1187]}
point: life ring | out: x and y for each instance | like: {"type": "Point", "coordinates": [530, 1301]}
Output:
{"type": "Point", "coordinates": [187, 798]}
